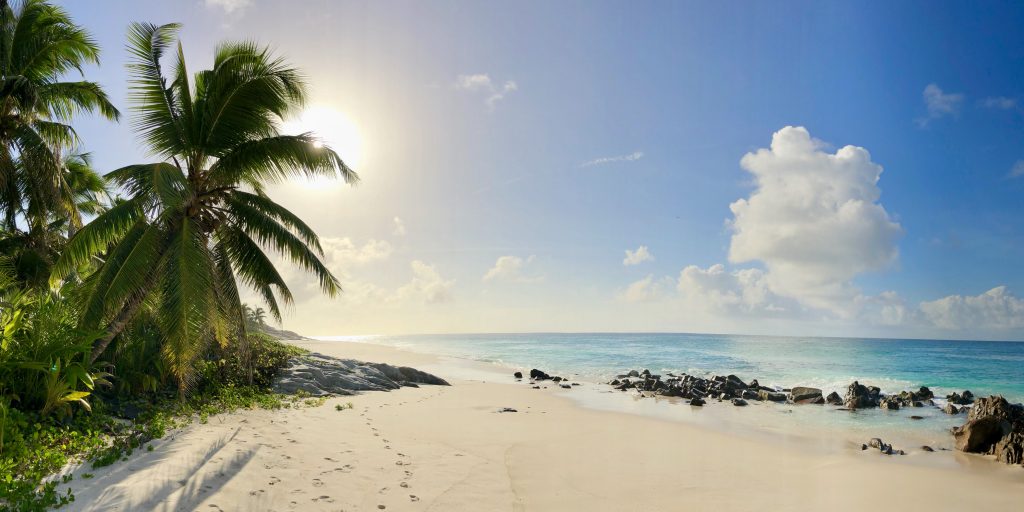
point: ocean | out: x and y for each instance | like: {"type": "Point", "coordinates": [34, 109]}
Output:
{"type": "Point", "coordinates": [983, 367]}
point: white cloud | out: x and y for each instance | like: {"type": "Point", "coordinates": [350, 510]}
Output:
{"type": "Point", "coordinates": [229, 6]}
{"type": "Point", "coordinates": [482, 83]}
{"type": "Point", "coordinates": [343, 252]}
{"type": "Point", "coordinates": [1017, 170]}
{"type": "Point", "coordinates": [426, 286]}
{"type": "Point", "coordinates": [813, 219]}
{"type": "Point", "coordinates": [399, 229]}
{"type": "Point", "coordinates": [640, 255]}
{"type": "Point", "coordinates": [716, 290]}
{"type": "Point", "coordinates": [993, 310]}
{"type": "Point", "coordinates": [1000, 102]}
{"type": "Point", "coordinates": [632, 157]}
{"type": "Point", "coordinates": [647, 289]}
{"type": "Point", "coordinates": [510, 268]}
{"type": "Point", "coordinates": [939, 104]}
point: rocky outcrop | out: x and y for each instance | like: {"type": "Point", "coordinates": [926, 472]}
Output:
{"type": "Point", "coordinates": [859, 396]}
{"type": "Point", "coordinates": [518, 375]}
{"type": "Point", "coordinates": [321, 375]}
{"type": "Point", "coordinates": [995, 427]}
{"type": "Point", "coordinates": [805, 395]}
{"type": "Point", "coordinates": [536, 374]}
{"type": "Point", "coordinates": [833, 398]}
{"type": "Point", "coordinates": [964, 398]}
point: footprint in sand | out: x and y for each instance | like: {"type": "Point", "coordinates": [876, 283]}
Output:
{"type": "Point", "coordinates": [330, 459]}
{"type": "Point", "coordinates": [413, 497]}
{"type": "Point", "coordinates": [383, 490]}
{"type": "Point", "coordinates": [347, 468]}
{"type": "Point", "coordinates": [274, 480]}
{"type": "Point", "coordinates": [256, 492]}
{"type": "Point", "coordinates": [317, 482]}
{"type": "Point", "coordinates": [404, 484]}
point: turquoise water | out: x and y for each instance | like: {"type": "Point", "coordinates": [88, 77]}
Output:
{"type": "Point", "coordinates": [827, 363]}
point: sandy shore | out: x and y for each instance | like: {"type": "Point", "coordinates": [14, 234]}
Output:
{"type": "Point", "coordinates": [448, 449]}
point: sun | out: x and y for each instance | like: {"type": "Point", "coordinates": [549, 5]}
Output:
{"type": "Point", "coordinates": [336, 130]}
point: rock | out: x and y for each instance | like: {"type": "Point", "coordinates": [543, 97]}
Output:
{"type": "Point", "coordinates": [1010, 449]}
{"type": "Point", "coordinates": [565, 386]}
{"type": "Point", "coordinates": [927, 448]}
{"type": "Point", "coordinates": [952, 409]}
{"type": "Point", "coordinates": [834, 398]}
{"type": "Point", "coordinates": [518, 375]}
{"type": "Point", "coordinates": [859, 396]}
{"type": "Point", "coordinates": [964, 398]}
{"type": "Point", "coordinates": [748, 394]}
{"type": "Point", "coordinates": [980, 435]}
{"type": "Point", "coordinates": [996, 406]}
{"type": "Point", "coordinates": [320, 375]}
{"type": "Point", "coordinates": [536, 374]}
{"type": "Point", "coordinates": [753, 384]}
{"type": "Point", "coordinates": [876, 443]}
{"type": "Point", "coordinates": [800, 393]}
{"type": "Point", "coordinates": [697, 401]}
{"type": "Point", "coordinates": [507, 409]}
{"type": "Point", "coordinates": [739, 402]}
{"type": "Point", "coordinates": [917, 417]}
{"type": "Point", "coordinates": [924, 393]}
{"type": "Point", "coordinates": [575, 383]}
{"type": "Point", "coordinates": [633, 373]}
{"type": "Point", "coordinates": [536, 387]}
{"type": "Point", "coordinates": [771, 396]}
{"type": "Point", "coordinates": [863, 447]}
{"type": "Point", "coordinates": [556, 379]}
{"type": "Point", "coordinates": [646, 372]}
{"type": "Point", "coordinates": [891, 403]}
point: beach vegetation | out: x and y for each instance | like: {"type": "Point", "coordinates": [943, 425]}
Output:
{"type": "Point", "coordinates": [120, 292]}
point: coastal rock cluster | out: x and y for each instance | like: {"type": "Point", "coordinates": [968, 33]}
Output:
{"type": "Point", "coordinates": [321, 375]}
{"type": "Point", "coordinates": [994, 427]}
{"type": "Point", "coordinates": [538, 375]}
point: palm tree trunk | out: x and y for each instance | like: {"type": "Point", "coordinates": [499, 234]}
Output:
{"type": "Point", "coordinates": [128, 311]}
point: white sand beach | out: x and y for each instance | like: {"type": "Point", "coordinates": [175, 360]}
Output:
{"type": "Point", "coordinates": [449, 449]}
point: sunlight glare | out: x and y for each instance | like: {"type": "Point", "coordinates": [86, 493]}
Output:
{"type": "Point", "coordinates": [336, 130]}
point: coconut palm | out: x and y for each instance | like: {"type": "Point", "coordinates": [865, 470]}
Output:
{"type": "Point", "coordinates": [198, 218]}
{"type": "Point", "coordinates": [39, 46]}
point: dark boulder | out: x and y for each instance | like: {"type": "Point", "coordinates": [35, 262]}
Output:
{"type": "Point", "coordinates": [518, 375]}
{"type": "Point", "coordinates": [980, 435]}
{"type": "Point", "coordinates": [834, 398]}
{"type": "Point", "coordinates": [739, 402]}
{"type": "Point", "coordinates": [964, 398]}
{"type": "Point", "coordinates": [802, 394]}
{"type": "Point", "coordinates": [891, 403]}
{"type": "Point", "coordinates": [697, 401]}
{"type": "Point", "coordinates": [927, 448]}
{"type": "Point", "coordinates": [536, 374]}
{"type": "Point", "coordinates": [633, 373]}
{"type": "Point", "coordinates": [952, 409]}
{"type": "Point", "coordinates": [1010, 449]}
{"type": "Point", "coordinates": [859, 396]}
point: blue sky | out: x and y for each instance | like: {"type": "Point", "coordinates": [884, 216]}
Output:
{"type": "Point", "coordinates": [558, 135]}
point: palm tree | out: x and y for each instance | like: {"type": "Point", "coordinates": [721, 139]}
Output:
{"type": "Point", "coordinates": [39, 45]}
{"type": "Point", "coordinates": [199, 218]}
{"type": "Point", "coordinates": [259, 316]}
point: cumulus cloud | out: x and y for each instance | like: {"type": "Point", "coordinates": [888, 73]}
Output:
{"type": "Point", "coordinates": [995, 309]}
{"type": "Point", "coordinates": [482, 84]}
{"type": "Point", "coordinates": [1017, 170]}
{"type": "Point", "coordinates": [427, 286]}
{"type": "Point", "coordinates": [632, 157]}
{"type": "Point", "coordinates": [813, 219]}
{"type": "Point", "coordinates": [229, 6]}
{"type": "Point", "coordinates": [717, 290]}
{"type": "Point", "coordinates": [647, 289]}
{"type": "Point", "coordinates": [939, 104]}
{"type": "Point", "coordinates": [510, 268]}
{"type": "Point", "coordinates": [640, 255]}
{"type": "Point", "coordinates": [344, 252]}
{"type": "Point", "coordinates": [399, 229]}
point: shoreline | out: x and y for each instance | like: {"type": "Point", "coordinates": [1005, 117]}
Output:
{"type": "Point", "coordinates": [448, 448]}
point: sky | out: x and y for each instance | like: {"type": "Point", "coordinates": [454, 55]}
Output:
{"type": "Point", "coordinates": [817, 168]}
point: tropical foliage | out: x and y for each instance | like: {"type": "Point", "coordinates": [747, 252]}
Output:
{"type": "Point", "coordinates": [139, 308]}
